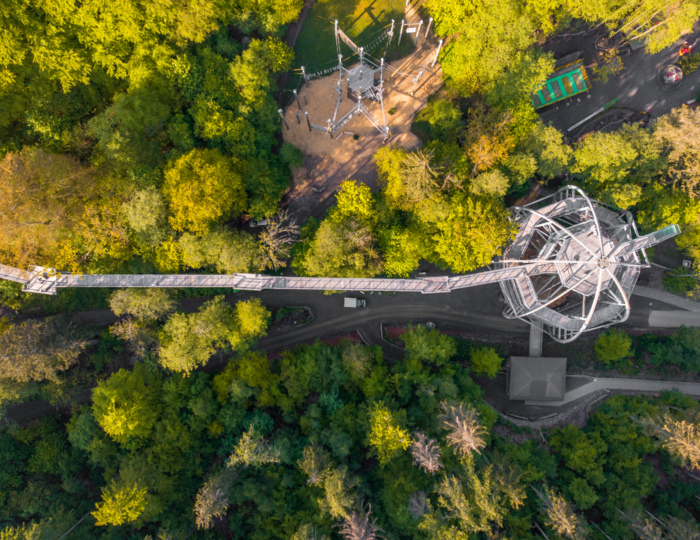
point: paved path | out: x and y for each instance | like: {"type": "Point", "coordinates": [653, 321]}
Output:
{"type": "Point", "coordinates": [633, 385]}
{"type": "Point", "coordinates": [666, 298]}
{"type": "Point", "coordinates": [673, 319]}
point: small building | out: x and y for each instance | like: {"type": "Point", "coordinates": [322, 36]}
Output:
{"type": "Point", "coordinates": [569, 78]}
{"type": "Point", "coordinates": [537, 379]}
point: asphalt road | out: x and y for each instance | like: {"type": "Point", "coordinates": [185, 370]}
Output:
{"type": "Point", "coordinates": [637, 86]}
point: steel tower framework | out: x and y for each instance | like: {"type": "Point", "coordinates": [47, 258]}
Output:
{"type": "Point", "coordinates": [590, 256]}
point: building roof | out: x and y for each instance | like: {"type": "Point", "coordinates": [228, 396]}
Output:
{"type": "Point", "coordinates": [537, 379]}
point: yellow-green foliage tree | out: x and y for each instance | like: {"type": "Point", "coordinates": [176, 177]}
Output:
{"type": "Point", "coordinates": [126, 406]}
{"type": "Point", "coordinates": [473, 233]}
{"type": "Point", "coordinates": [386, 436]}
{"type": "Point", "coordinates": [485, 361]}
{"type": "Point", "coordinates": [612, 346]}
{"type": "Point", "coordinates": [345, 243]}
{"type": "Point", "coordinates": [203, 188]}
{"type": "Point", "coordinates": [188, 340]}
{"type": "Point", "coordinates": [120, 504]}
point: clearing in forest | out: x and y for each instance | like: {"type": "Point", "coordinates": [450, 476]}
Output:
{"type": "Point", "coordinates": [359, 19]}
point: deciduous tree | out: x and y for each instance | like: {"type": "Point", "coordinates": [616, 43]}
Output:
{"type": "Point", "coordinates": [203, 188]}
{"type": "Point", "coordinates": [127, 405]}
{"type": "Point", "coordinates": [40, 349]}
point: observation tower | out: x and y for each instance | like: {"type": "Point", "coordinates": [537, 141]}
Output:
{"type": "Point", "coordinates": [580, 261]}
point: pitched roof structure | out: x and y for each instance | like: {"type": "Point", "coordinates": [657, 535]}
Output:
{"type": "Point", "coordinates": [537, 379]}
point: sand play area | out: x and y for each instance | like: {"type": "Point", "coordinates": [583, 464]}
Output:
{"type": "Point", "coordinates": [328, 162]}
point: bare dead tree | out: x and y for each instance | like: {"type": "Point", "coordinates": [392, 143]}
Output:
{"type": "Point", "coordinates": [561, 516]}
{"type": "Point", "coordinates": [642, 526]}
{"type": "Point", "coordinates": [426, 453]}
{"type": "Point", "coordinates": [358, 526]}
{"type": "Point", "coordinates": [466, 434]}
{"type": "Point", "coordinates": [416, 504]}
{"type": "Point", "coordinates": [276, 240]}
{"type": "Point", "coordinates": [682, 530]}
{"type": "Point", "coordinates": [212, 499]}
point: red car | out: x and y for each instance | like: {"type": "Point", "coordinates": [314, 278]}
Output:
{"type": "Point", "coordinates": [686, 48]}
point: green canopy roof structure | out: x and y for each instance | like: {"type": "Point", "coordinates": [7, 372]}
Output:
{"type": "Point", "coordinates": [569, 78]}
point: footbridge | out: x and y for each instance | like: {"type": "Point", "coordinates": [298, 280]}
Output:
{"type": "Point", "coordinates": [48, 281]}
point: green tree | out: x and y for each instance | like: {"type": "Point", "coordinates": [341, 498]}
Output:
{"type": "Point", "coordinates": [486, 361]}
{"type": "Point", "coordinates": [142, 304]}
{"type": "Point", "coordinates": [612, 346]}
{"type": "Point", "coordinates": [146, 215]}
{"type": "Point", "coordinates": [429, 345]}
{"type": "Point", "coordinates": [120, 504]}
{"type": "Point", "coordinates": [203, 188]}
{"type": "Point", "coordinates": [126, 406]}
{"type": "Point", "coordinates": [547, 145]}
{"type": "Point", "coordinates": [227, 251]}
{"type": "Point", "coordinates": [678, 134]}
{"type": "Point", "coordinates": [189, 340]}
{"type": "Point", "coordinates": [386, 437]}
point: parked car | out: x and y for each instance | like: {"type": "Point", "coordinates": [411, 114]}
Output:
{"type": "Point", "coordinates": [259, 223]}
{"type": "Point", "coordinates": [355, 302]}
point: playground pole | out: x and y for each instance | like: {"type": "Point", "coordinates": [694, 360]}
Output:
{"type": "Point", "coordinates": [415, 41]}
{"type": "Point", "coordinates": [427, 28]}
{"type": "Point", "coordinates": [283, 118]}
{"type": "Point", "coordinates": [437, 53]}
{"type": "Point", "coordinates": [296, 96]}
{"type": "Point", "coordinates": [308, 122]}
{"type": "Point", "coordinates": [391, 32]}
{"type": "Point", "coordinates": [403, 22]}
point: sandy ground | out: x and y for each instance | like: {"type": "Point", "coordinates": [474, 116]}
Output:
{"type": "Point", "coordinates": [328, 162]}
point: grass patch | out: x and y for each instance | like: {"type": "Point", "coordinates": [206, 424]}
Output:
{"type": "Point", "coordinates": [361, 20]}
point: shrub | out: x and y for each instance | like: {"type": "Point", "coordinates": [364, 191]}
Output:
{"type": "Point", "coordinates": [690, 63]}
{"type": "Point", "coordinates": [679, 284]}
{"type": "Point", "coordinates": [612, 346]}
{"type": "Point", "coordinates": [486, 361]}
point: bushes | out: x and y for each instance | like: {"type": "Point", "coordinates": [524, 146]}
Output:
{"type": "Point", "coordinates": [613, 346]}
{"type": "Point", "coordinates": [690, 63]}
{"type": "Point", "coordinates": [486, 361]}
{"type": "Point", "coordinates": [680, 284]}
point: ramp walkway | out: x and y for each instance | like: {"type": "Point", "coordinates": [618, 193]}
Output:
{"type": "Point", "coordinates": [42, 281]}
{"type": "Point", "coordinates": [635, 385]}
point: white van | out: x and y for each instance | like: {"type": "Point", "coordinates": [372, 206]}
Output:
{"type": "Point", "coordinates": [355, 302]}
